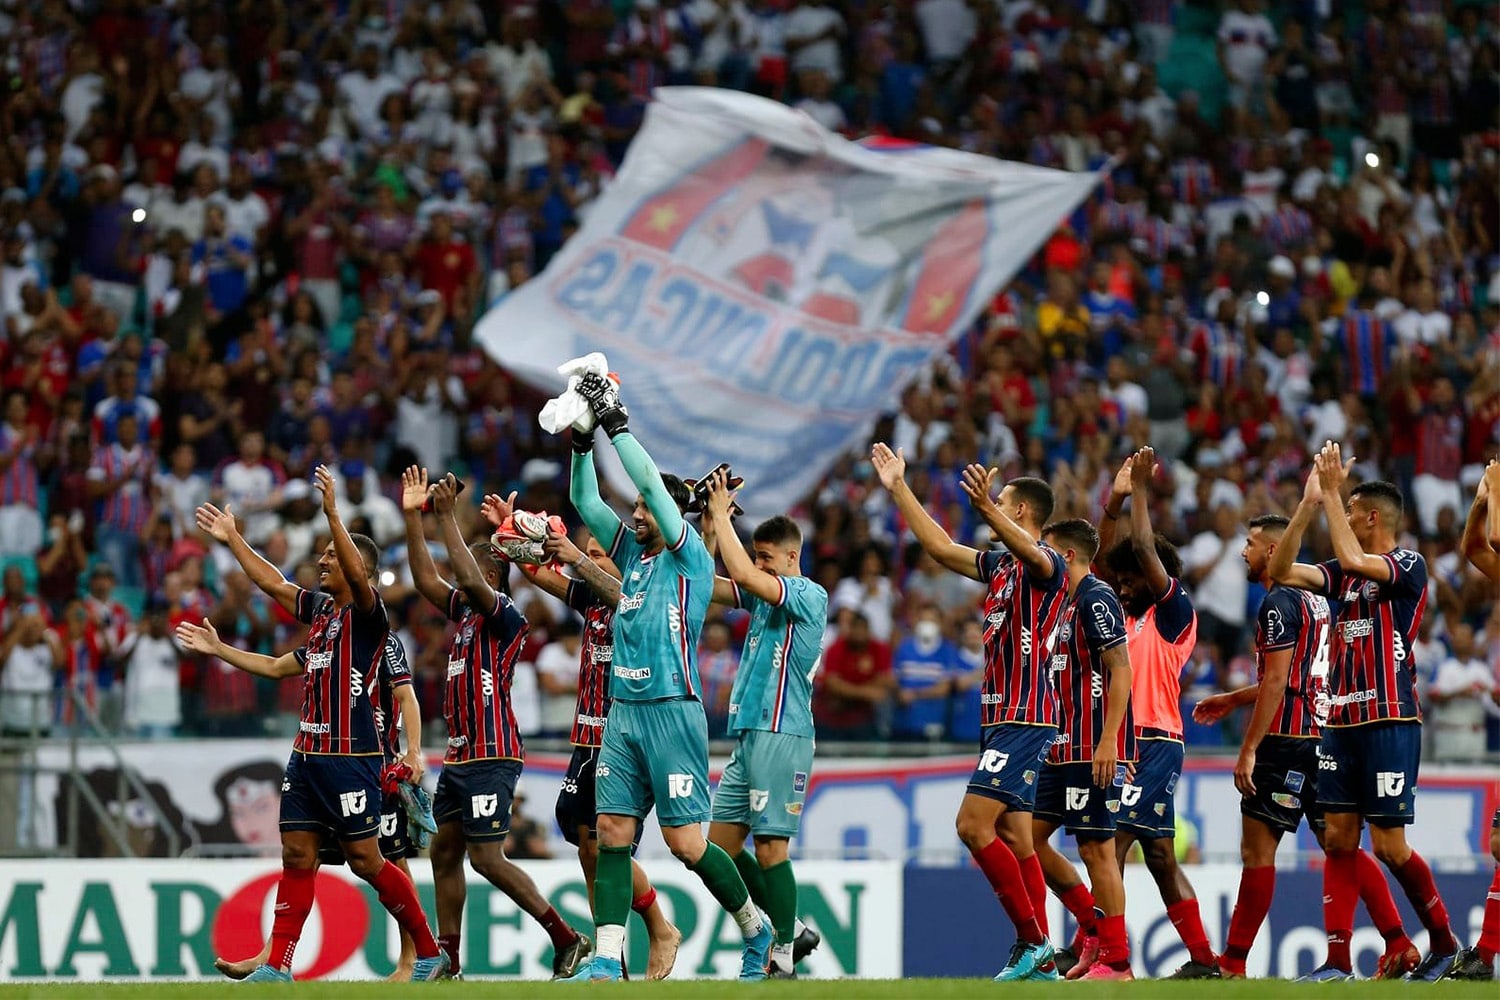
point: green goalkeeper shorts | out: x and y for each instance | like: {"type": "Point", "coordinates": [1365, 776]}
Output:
{"type": "Point", "coordinates": [765, 783]}
{"type": "Point", "coordinates": [655, 753]}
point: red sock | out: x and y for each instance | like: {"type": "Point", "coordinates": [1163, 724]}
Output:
{"type": "Point", "coordinates": [1489, 931]}
{"type": "Point", "coordinates": [1257, 886]}
{"type": "Point", "coordinates": [1114, 944]}
{"type": "Point", "coordinates": [1189, 923]}
{"type": "Point", "coordinates": [449, 944]}
{"type": "Point", "coordinates": [1375, 891]}
{"type": "Point", "coordinates": [294, 900]}
{"type": "Point", "coordinates": [1004, 874]}
{"type": "Point", "coordinates": [1080, 903]}
{"type": "Point", "coordinates": [399, 897]}
{"type": "Point", "coordinates": [1340, 894]}
{"type": "Point", "coordinates": [1036, 888]}
{"type": "Point", "coordinates": [557, 928]}
{"type": "Point", "coordinates": [644, 901]}
{"type": "Point", "coordinates": [1416, 881]}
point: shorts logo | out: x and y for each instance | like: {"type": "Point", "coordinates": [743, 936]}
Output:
{"type": "Point", "coordinates": [1113, 805]}
{"type": "Point", "coordinates": [1294, 780]}
{"type": "Point", "coordinates": [602, 771]}
{"type": "Point", "coordinates": [1327, 763]}
{"type": "Point", "coordinates": [1130, 795]}
{"type": "Point", "coordinates": [1390, 784]}
{"type": "Point", "coordinates": [286, 786]}
{"type": "Point", "coordinates": [1172, 784]}
{"type": "Point", "coordinates": [794, 808]}
{"type": "Point", "coordinates": [1078, 799]}
{"type": "Point", "coordinates": [352, 803]}
{"type": "Point", "coordinates": [483, 805]}
{"type": "Point", "coordinates": [680, 786]}
{"type": "Point", "coordinates": [388, 825]}
{"type": "Point", "coordinates": [758, 799]}
{"type": "Point", "coordinates": [570, 786]}
{"type": "Point", "coordinates": [1161, 808]}
{"type": "Point", "coordinates": [993, 761]}
{"type": "Point", "coordinates": [1119, 775]}
{"type": "Point", "coordinates": [1029, 777]}
{"type": "Point", "coordinates": [799, 782]}
{"type": "Point", "coordinates": [1286, 801]}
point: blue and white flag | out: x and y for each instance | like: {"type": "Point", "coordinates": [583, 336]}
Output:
{"type": "Point", "coordinates": [765, 288]}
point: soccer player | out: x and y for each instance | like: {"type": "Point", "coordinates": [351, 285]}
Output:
{"type": "Point", "coordinates": [593, 592]}
{"type": "Point", "coordinates": [1277, 769]}
{"type": "Point", "coordinates": [1371, 748]}
{"type": "Point", "coordinates": [485, 754]}
{"type": "Point", "coordinates": [1027, 587]}
{"type": "Point", "coordinates": [1079, 787]}
{"type": "Point", "coordinates": [1163, 629]}
{"type": "Point", "coordinates": [770, 712]}
{"type": "Point", "coordinates": [333, 777]}
{"type": "Point", "coordinates": [655, 747]}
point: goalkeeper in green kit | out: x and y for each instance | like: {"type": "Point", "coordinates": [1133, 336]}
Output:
{"type": "Point", "coordinates": [770, 712]}
{"type": "Point", "coordinates": [655, 749]}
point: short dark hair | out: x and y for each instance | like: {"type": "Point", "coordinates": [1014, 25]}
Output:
{"type": "Point", "coordinates": [1122, 558]}
{"type": "Point", "coordinates": [369, 552]}
{"type": "Point", "coordinates": [1273, 524]}
{"type": "Point", "coordinates": [1384, 497]}
{"type": "Point", "coordinates": [681, 495]}
{"type": "Point", "coordinates": [1036, 495]}
{"type": "Point", "coordinates": [778, 530]}
{"type": "Point", "coordinates": [1077, 534]}
{"type": "Point", "coordinates": [484, 555]}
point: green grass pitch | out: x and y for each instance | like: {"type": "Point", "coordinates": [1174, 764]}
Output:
{"type": "Point", "coordinates": [807, 989]}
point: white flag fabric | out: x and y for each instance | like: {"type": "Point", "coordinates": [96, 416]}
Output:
{"type": "Point", "coordinates": [766, 288]}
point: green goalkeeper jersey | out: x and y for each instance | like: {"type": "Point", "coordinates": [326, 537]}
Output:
{"type": "Point", "coordinates": [773, 688]}
{"type": "Point", "coordinates": [663, 600]}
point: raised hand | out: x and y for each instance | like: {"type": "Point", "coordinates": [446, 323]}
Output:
{"type": "Point", "coordinates": [890, 466]}
{"type": "Point", "coordinates": [1141, 471]}
{"type": "Point", "coordinates": [603, 396]}
{"type": "Point", "coordinates": [1312, 490]}
{"type": "Point", "coordinates": [413, 489]}
{"type": "Point", "coordinates": [1489, 486]}
{"type": "Point", "coordinates": [445, 495]}
{"type": "Point", "coordinates": [202, 639]}
{"type": "Point", "coordinates": [323, 480]}
{"type": "Point", "coordinates": [1123, 485]}
{"type": "Point", "coordinates": [217, 524]}
{"type": "Point", "coordinates": [976, 482]}
{"type": "Point", "coordinates": [719, 497]}
{"type": "Point", "coordinates": [495, 510]}
{"type": "Point", "coordinates": [1332, 469]}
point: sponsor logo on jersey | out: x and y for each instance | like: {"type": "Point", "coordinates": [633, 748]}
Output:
{"type": "Point", "coordinates": [591, 720]}
{"type": "Point", "coordinates": [455, 742]}
{"type": "Point", "coordinates": [455, 668]}
{"type": "Point", "coordinates": [604, 654]}
{"type": "Point", "coordinates": [1357, 629]}
{"type": "Point", "coordinates": [1353, 697]}
{"type": "Point", "coordinates": [319, 661]}
{"type": "Point", "coordinates": [316, 728]}
{"type": "Point", "coordinates": [989, 699]}
{"type": "Point", "coordinates": [631, 603]}
{"type": "Point", "coordinates": [633, 673]}
{"type": "Point", "coordinates": [334, 628]}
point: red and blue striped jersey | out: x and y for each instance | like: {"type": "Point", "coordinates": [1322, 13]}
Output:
{"type": "Point", "coordinates": [1020, 623]}
{"type": "Point", "coordinates": [1372, 673]}
{"type": "Point", "coordinates": [481, 665]}
{"type": "Point", "coordinates": [1296, 620]}
{"type": "Point", "coordinates": [340, 663]}
{"type": "Point", "coordinates": [594, 661]}
{"type": "Point", "coordinates": [395, 672]}
{"type": "Point", "coordinates": [1365, 343]}
{"type": "Point", "coordinates": [128, 506]}
{"type": "Point", "coordinates": [18, 481]}
{"type": "Point", "coordinates": [1092, 624]}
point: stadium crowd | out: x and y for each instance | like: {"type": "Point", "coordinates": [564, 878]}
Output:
{"type": "Point", "coordinates": [243, 239]}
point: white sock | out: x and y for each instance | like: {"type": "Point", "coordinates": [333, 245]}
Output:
{"type": "Point", "coordinates": [611, 943]}
{"type": "Point", "coordinates": [798, 928]}
{"type": "Point", "coordinates": [781, 957]}
{"type": "Point", "coordinates": [748, 917]}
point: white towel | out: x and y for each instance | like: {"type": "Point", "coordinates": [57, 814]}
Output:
{"type": "Point", "coordinates": [570, 409]}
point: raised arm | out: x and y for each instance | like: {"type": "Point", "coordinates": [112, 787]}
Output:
{"type": "Point", "coordinates": [603, 395]}
{"type": "Point", "coordinates": [1491, 481]}
{"type": "Point", "coordinates": [220, 526]}
{"type": "Point", "coordinates": [741, 567]}
{"type": "Point", "coordinates": [466, 572]}
{"type": "Point", "coordinates": [1114, 508]}
{"type": "Point", "coordinates": [1283, 567]}
{"type": "Point", "coordinates": [1331, 471]}
{"type": "Point", "coordinates": [424, 574]}
{"type": "Point", "coordinates": [204, 639]}
{"type": "Point", "coordinates": [1481, 541]}
{"type": "Point", "coordinates": [891, 467]}
{"type": "Point", "coordinates": [977, 482]}
{"type": "Point", "coordinates": [1107, 752]}
{"type": "Point", "coordinates": [559, 547]}
{"type": "Point", "coordinates": [583, 491]}
{"type": "Point", "coordinates": [1142, 538]}
{"type": "Point", "coordinates": [350, 561]}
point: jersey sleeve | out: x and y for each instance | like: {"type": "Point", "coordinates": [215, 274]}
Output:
{"type": "Point", "coordinates": [394, 665]}
{"type": "Point", "coordinates": [989, 562]}
{"type": "Point", "coordinates": [310, 604]}
{"type": "Point", "coordinates": [1059, 575]}
{"type": "Point", "coordinates": [804, 600]}
{"type": "Point", "coordinates": [1408, 573]}
{"type": "Point", "coordinates": [507, 615]}
{"type": "Point", "coordinates": [1278, 622]}
{"type": "Point", "coordinates": [1333, 579]}
{"type": "Point", "coordinates": [1174, 612]}
{"type": "Point", "coordinates": [1102, 620]}
{"type": "Point", "coordinates": [692, 555]}
{"type": "Point", "coordinates": [375, 616]}
{"type": "Point", "coordinates": [580, 596]}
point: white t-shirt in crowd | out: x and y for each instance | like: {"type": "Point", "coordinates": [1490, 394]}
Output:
{"type": "Point", "coordinates": [561, 666]}
{"type": "Point", "coordinates": [948, 26]}
{"type": "Point", "coordinates": [1414, 328]}
{"type": "Point", "coordinates": [27, 672]}
{"type": "Point", "coordinates": [153, 696]}
{"type": "Point", "coordinates": [1248, 40]}
{"type": "Point", "coordinates": [1224, 592]}
{"type": "Point", "coordinates": [809, 22]}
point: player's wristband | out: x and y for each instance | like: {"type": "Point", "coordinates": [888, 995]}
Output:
{"type": "Point", "coordinates": [582, 442]}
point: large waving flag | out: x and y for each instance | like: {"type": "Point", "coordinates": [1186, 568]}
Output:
{"type": "Point", "coordinates": [766, 288]}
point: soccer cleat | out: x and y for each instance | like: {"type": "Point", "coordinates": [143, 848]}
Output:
{"type": "Point", "coordinates": [757, 955]}
{"type": "Point", "coordinates": [1468, 966]}
{"type": "Point", "coordinates": [1065, 961]}
{"type": "Point", "coordinates": [430, 970]}
{"type": "Point", "coordinates": [1432, 968]}
{"type": "Point", "coordinates": [1029, 961]}
{"type": "Point", "coordinates": [1088, 957]}
{"type": "Point", "coordinates": [1326, 974]}
{"type": "Point", "coordinates": [1396, 964]}
{"type": "Point", "coordinates": [776, 972]}
{"type": "Point", "coordinates": [567, 961]}
{"type": "Point", "coordinates": [807, 942]}
{"type": "Point", "coordinates": [267, 974]}
{"type": "Point", "coordinates": [597, 969]}
{"type": "Point", "coordinates": [1196, 970]}
{"type": "Point", "coordinates": [1099, 971]}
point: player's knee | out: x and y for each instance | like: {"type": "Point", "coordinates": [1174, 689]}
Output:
{"type": "Point", "coordinates": [770, 851]}
{"type": "Point", "coordinates": [1096, 852]}
{"type": "Point", "coordinates": [1160, 855]}
{"type": "Point", "coordinates": [975, 831]}
{"type": "Point", "coordinates": [616, 831]}
{"type": "Point", "coordinates": [1390, 847]}
{"type": "Point", "coordinates": [366, 865]}
{"type": "Point", "coordinates": [488, 861]}
{"type": "Point", "coordinates": [298, 856]}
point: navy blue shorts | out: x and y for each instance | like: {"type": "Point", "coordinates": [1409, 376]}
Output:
{"type": "Point", "coordinates": [1286, 784]}
{"type": "Point", "coordinates": [575, 800]}
{"type": "Point", "coordinates": [1010, 760]}
{"type": "Point", "coordinates": [478, 794]}
{"type": "Point", "coordinates": [1148, 809]}
{"type": "Point", "coordinates": [1371, 770]}
{"type": "Point", "coordinates": [1066, 795]}
{"type": "Point", "coordinates": [338, 794]}
{"type": "Point", "coordinates": [395, 841]}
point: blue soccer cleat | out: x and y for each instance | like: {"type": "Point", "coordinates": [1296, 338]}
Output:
{"type": "Point", "coordinates": [430, 970]}
{"type": "Point", "coordinates": [267, 974]}
{"type": "Point", "coordinates": [597, 969]}
{"type": "Point", "coordinates": [1029, 961]}
{"type": "Point", "coordinates": [1326, 974]}
{"type": "Point", "coordinates": [420, 824]}
{"type": "Point", "coordinates": [1432, 968]}
{"type": "Point", "coordinates": [757, 955]}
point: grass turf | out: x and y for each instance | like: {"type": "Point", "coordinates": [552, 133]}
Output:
{"type": "Point", "coordinates": [807, 989]}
